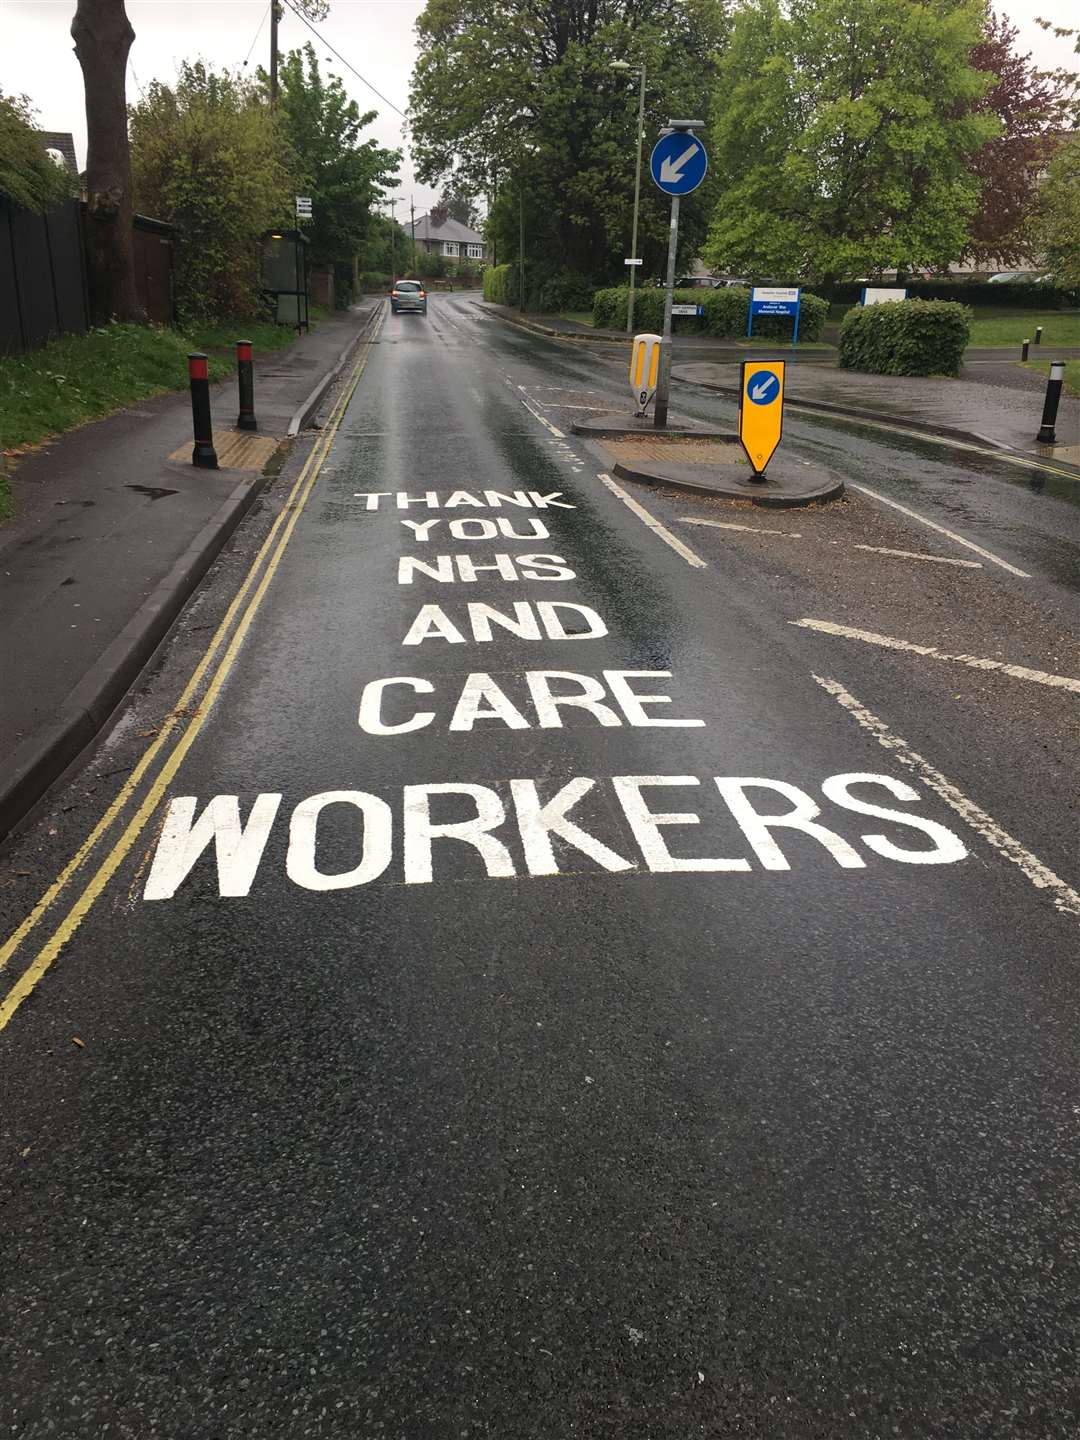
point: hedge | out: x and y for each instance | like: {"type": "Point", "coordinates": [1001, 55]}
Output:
{"type": "Point", "coordinates": [1021, 293]}
{"type": "Point", "coordinates": [906, 337]}
{"type": "Point", "coordinates": [501, 284]}
{"type": "Point", "coordinates": [725, 313]}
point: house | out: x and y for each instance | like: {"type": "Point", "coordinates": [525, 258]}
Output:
{"type": "Point", "coordinates": [60, 146]}
{"type": "Point", "coordinates": [438, 234]}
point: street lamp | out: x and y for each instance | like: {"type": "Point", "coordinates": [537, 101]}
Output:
{"type": "Point", "coordinates": [639, 70]}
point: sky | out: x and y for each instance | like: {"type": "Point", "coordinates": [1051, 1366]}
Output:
{"type": "Point", "coordinates": [374, 36]}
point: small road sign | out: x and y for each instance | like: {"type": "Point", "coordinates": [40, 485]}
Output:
{"type": "Point", "coordinates": [761, 411]}
{"type": "Point", "coordinates": [303, 207]}
{"type": "Point", "coordinates": [780, 300]}
{"type": "Point", "coordinates": [688, 309]}
{"type": "Point", "coordinates": [678, 163]}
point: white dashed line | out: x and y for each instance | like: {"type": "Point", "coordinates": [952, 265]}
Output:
{"type": "Point", "coordinates": [976, 662]}
{"type": "Point", "coordinates": [654, 525]}
{"type": "Point", "coordinates": [941, 530]}
{"type": "Point", "coordinates": [750, 529]}
{"type": "Point", "coordinates": [1065, 898]}
{"type": "Point", "coordinates": [919, 555]}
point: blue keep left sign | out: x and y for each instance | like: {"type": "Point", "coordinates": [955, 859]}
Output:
{"type": "Point", "coordinates": [678, 162]}
{"type": "Point", "coordinates": [763, 387]}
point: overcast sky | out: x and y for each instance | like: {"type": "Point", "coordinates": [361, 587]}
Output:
{"type": "Point", "coordinates": [375, 36]}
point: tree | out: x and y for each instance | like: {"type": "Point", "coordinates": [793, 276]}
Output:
{"type": "Point", "coordinates": [27, 176]}
{"type": "Point", "coordinates": [459, 203]}
{"type": "Point", "coordinates": [388, 246]}
{"type": "Point", "coordinates": [1033, 107]}
{"type": "Point", "coordinates": [345, 177]}
{"type": "Point", "coordinates": [842, 136]}
{"type": "Point", "coordinates": [516, 99]}
{"type": "Point", "coordinates": [208, 157]}
{"type": "Point", "coordinates": [1057, 224]}
{"type": "Point", "coordinates": [103, 36]}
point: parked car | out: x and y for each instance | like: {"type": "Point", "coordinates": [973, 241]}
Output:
{"type": "Point", "coordinates": [1018, 277]}
{"type": "Point", "coordinates": [408, 295]}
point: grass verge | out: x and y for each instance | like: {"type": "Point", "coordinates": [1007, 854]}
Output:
{"type": "Point", "coordinates": [1072, 373]}
{"type": "Point", "coordinates": [1012, 327]}
{"type": "Point", "coordinates": [82, 377]}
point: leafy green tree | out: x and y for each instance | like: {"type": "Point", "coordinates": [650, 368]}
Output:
{"type": "Point", "coordinates": [517, 99]}
{"type": "Point", "coordinates": [208, 157]}
{"type": "Point", "coordinates": [27, 176]}
{"type": "Point", "coordinates": [388, 246]}
{"type": "Point", "coordinates": [1057, 226]}
{"type": "Point", "coordinates": [842, 136]}
{"type": "Point", "coordinates": [345, 176]}
{"type": "Point", "coordinates": [1034, 107]}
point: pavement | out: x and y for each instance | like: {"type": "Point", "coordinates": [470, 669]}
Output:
{"type": "Point", "coordinates": [113, 528]}
{"type": "Point", "coordinates": [972, 410]}
{"type": "Point", "coordinates": [587, 961]}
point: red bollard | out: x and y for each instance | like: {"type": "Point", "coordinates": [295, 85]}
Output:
{"type": "Point", "coordinates": [246, 376]}
{"type": "Point", "coordinates": [203, 454]}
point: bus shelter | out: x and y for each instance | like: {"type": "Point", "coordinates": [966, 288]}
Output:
{"type": "Point", "coordinates": [285, 276]}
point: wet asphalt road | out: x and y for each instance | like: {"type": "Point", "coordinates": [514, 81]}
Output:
{"type": "Point", "coordinates": [425, 1107]}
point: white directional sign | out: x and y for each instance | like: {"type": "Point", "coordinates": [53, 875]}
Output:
{"type": "Point", "coordinates": [303, 207]}
{"type": "Point", "coordinates": [633, 262]}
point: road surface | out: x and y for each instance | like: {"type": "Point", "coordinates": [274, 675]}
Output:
{"type": "Point", "coordinates": [573, 962]}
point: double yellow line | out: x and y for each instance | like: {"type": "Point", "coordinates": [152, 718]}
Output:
{"type": "Point", "coordinates": [230, 635]}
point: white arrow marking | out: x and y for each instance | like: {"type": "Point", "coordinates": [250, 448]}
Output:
{"type": "Point", "coordinates": [760, 391]}
{"type": "Point", "coordinates": [671, 170]}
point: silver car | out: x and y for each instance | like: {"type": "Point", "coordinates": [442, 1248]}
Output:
{"type": "Point", "coordinates": [408, 295]}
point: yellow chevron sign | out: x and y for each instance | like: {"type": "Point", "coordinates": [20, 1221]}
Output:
{"type": "Point", "coordinates": [761, 410]}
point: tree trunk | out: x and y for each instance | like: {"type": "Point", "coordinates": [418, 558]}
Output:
{"type": "Point", "coordinates": [103, 35]}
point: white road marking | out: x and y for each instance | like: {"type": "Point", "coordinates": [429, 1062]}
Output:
{"type": "Point", "coordinates": [932, 525]}
{"type": "Point", "coordinates": [1065, 898]}
{"type": "Point", "coordinates": [542, 418]}
{"type": "Point", "coordinates": [976, 662]}
{"type": "Point", "coordinates": [751, 529]}
{"type": "Point", "coordinates": [918, 555]}
{"type": "Point", "coordinates": [653, 524]}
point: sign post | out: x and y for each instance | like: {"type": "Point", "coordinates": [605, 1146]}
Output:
{"type": "Point", "coordinates": [303, 207]}
{"type": "Point", "coordinates": [775, 300]}
{"type": "Point", "coordinates": [677, 165]}
{"type": "Point", "coordinates": [761, 411]}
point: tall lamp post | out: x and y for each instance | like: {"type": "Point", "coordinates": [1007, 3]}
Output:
{"type": "Point", "coordinates": [639, 70]}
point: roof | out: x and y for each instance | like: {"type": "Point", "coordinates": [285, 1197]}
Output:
{"type": "Point", "coordinates": [64, 141]}
{"type": "Point", "coordinates": [427, 229]}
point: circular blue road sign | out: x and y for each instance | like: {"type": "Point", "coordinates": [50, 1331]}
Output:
{"type": "Point", "coordinates": [764, 387]}
{"type": "Point", "coordinates": [678, 163]}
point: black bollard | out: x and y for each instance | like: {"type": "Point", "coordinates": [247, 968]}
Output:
{"type": "Point", "coordinates": [203, 454]}
{"type": "Point", "coordinates": [1038, 334]}
{"type": "Point", "coordinates": [1047, 434]}
{"type": "Point", "coordinates": [246, 376]}
{"type": "Point", "coordinates": [1024, 349]}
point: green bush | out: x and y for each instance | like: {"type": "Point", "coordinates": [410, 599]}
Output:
{"type": "Point", "coordinates": [906, 337]}
{"type": "Point", "coordinates": [564, 291]}
{"type": "Point", "coordinates": [725, 313]}
{"type": "Point", "coordinates": [501, 284]}
{"type": "Point", "coordinates": [375, 280]}
{"type": "Point", "coordinates": [1024, 294]}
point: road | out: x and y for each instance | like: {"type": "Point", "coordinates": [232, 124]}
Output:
{"type": "Point", "coordinates": [544, 980]}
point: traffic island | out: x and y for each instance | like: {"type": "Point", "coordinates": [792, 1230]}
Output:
{"type": "Point", "coordinates": [704, 462]}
